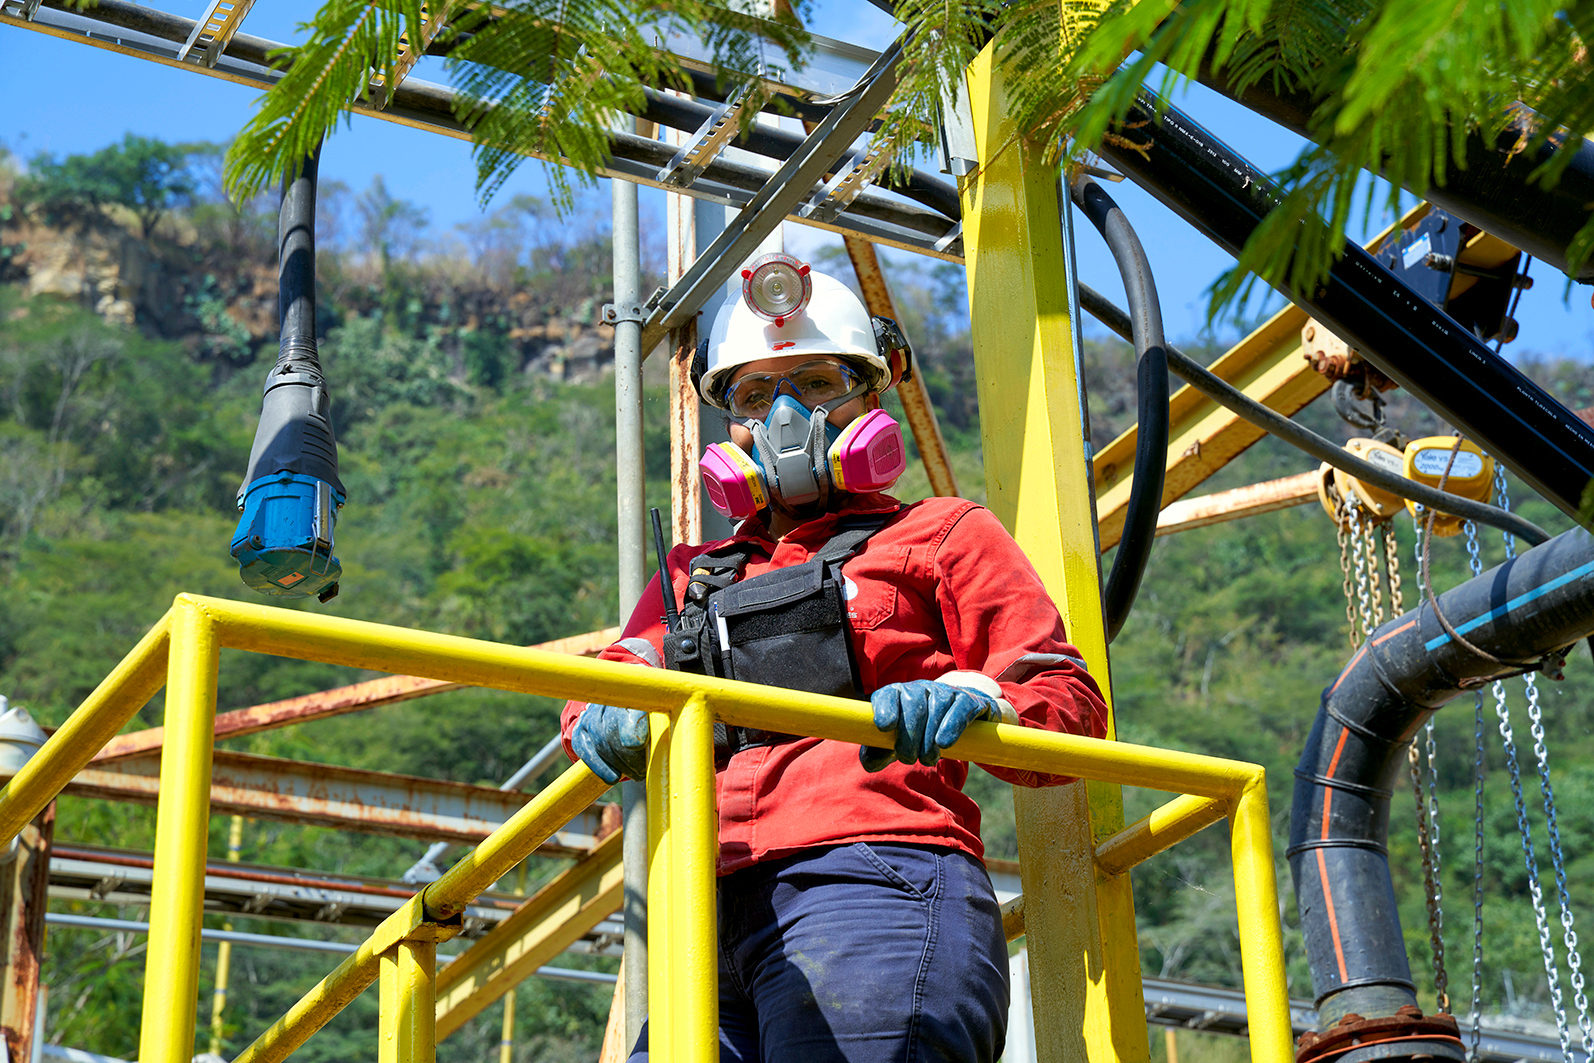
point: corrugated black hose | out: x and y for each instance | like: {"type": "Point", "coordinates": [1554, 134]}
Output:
{"type": "Point", "coordinates": [1151, 440]}
{"type": "Point", "coordinates": [1540, 603]}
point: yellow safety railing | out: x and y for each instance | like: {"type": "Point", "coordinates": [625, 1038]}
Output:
{"type": "Point", "coordinates": [182, 650]}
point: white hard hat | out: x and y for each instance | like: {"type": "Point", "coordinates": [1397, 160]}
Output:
{"type": "Point", "coordinates": [833, 321]}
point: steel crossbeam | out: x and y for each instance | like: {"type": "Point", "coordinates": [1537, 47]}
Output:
{"type": "Point", "coordinates": [705, 144]}
{"type": "Point", "coordinates": [789, 186]}
{"type": "Point", "coordinates": [214, 30]}
{"type": "Point", "coordinates": [371, 802]}
{"type": "Point", "coordinates": [159, 36]}
{"type": "Point", "coordinates": [379, 92]}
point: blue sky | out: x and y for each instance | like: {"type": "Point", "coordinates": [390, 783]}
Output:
{"type": "Point", "coordinates": [65, 97]}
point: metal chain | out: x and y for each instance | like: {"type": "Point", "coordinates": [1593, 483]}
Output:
{"type": "Point", "coordinates": [1340, 521]}
{"type": "Point", "coordinates": [1541, 755]}
{"type": "Point", "coordinates": [1535, 893]}
{"type": "Point", "coordinates": [1360, 563]}
{"type": "Point", "coordinates": [1375, 584]}
{"type": "Point", "coordinates": [1540, 917]}
{"type": "Point", "coordinates": [1574, 961]}
{"type": "Point", "coordinates": [1392, 565]}
{"type": "Point", "coordinates": [1427, 840]}
{"type": "Point", "coordinates": [1475, 1015]}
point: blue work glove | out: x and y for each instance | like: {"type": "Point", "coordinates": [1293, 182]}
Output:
{"type": "Point", "coordinates": [927, 717]}
{"type": "Point", "coordinates": [612, 742]}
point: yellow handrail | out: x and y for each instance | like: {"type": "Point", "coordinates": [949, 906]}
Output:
{"type": "Point", "coordinates": [682, 842]}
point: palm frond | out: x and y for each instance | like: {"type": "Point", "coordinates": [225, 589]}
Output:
{"type": "Point", "coordinates": [350, 43]}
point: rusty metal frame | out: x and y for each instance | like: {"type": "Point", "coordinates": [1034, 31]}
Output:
{"type": "Point", "coordinates": [370, 802]}
{"type": "Point", "coordinates": [324, 704]}
{"type": "Point", "coordinates": [548, 923]}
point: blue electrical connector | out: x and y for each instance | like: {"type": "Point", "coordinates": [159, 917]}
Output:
{"type": "Point", "coordinates": [283, 544]}
{"type": "Point", "coordinates": [291, 494]}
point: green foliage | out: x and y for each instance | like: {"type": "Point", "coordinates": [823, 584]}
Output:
{"type": "Point", "coordinates": [1395, 86]}
{"type": "Point", "coordinates": [145, 175]}
{"type": "Point", "coordinates": [536, 77]}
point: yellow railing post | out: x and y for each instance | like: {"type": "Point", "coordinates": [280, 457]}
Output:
{"type": "Point", "coordinates": [407, 1029]}
{"type": "Point", "coordinates": [661, 978]}
{"type": "Point", "coordinates": [1267, 998]}
{"type": "Point", "coordinates": [182, 832]}
{"type": "Point", "coordinates": [694, 839]}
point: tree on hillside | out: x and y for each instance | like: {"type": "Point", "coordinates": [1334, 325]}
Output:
{"type": "Point", "coordinates": [1396, 85]}
{"type": "Point", "coordinates": [145, 175]}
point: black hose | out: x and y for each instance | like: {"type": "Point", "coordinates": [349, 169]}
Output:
{"type": "Point", "coordinates": [1410, 340]}
{"type": "Point", "coordinates": [1298, 435]}
{"type": "Point", "coordinates": [1537, 604]}
{"type": "Point", "coordinates": [1151, 440]}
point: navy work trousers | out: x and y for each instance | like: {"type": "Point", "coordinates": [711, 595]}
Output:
{"type": "Point", "coordinates": [860, 954]}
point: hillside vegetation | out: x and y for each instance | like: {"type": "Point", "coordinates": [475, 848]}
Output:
{"type": "Point", "coordinates": [476, 434]}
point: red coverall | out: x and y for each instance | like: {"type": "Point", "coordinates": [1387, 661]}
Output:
{"type": "Point", "coordinates": [940, 588]}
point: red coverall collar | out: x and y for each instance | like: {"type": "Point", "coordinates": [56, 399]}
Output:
{"type": "Point", "coordinates": [821, 527]}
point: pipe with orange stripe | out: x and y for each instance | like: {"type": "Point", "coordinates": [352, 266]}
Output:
{"type": "Point", "coordinates": [1541, 603]}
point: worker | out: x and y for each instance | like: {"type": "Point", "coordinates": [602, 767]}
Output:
{"type": "Point", "coordinates": [856, 919]}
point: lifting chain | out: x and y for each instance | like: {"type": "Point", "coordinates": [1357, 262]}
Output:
{"type": "Point", "coordinates": [1475, 1016]}
{"type": "Point", "coordinates": [1426, 792]}
{"type": "Point", "coordinates": [1425, 789]}
{"type": "Point", "coordinates": [1362, 565]}
{"type": "Point", "coordinates": [1392, 564]}
{"type": "Point", "coordinates": [1541, 755]}
{"type": "Point", "coordinates": [1341, 522]}
{"type": "Point", "coordinates": [1374, 581]}
{"type": "Point", "coordinates": [1508, 741]}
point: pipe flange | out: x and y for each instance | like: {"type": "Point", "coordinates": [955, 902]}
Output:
{"type": "Point", "coordinates": [1407, 1034]}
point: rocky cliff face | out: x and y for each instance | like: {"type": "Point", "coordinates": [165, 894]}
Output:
{"type": "Point", "coordinates": [221, 301]}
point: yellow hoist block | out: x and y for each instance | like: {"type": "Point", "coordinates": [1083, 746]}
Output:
{"type": "Point", "coordinates": [1471, 474]}
{"type": "Point", "coordinates": [1336, 487]}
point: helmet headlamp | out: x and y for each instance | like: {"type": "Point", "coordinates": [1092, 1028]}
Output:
{"type": "Point", "coordinates": [776, 287]}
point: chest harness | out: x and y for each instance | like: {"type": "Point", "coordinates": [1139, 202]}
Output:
{"type": "Point", "coordinates": [786, 628]}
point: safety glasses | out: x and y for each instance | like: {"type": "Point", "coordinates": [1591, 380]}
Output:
{"type": "Point", "coordinates": [811, 384]}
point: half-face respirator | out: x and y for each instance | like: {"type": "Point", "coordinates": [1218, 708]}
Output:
{"type": "Point", "coordinates": [801, 456]}
{"type": "Point", "coordinates": [798, 457]}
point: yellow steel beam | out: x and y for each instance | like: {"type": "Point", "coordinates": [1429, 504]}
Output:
{"type": "Point", "coordinates": [1248, 501]}
{"type": "Point", "coordinates": [419, 919]}
{"type": "Point", "coordinates": [405, 1031]}
{"type": "Point", "coordinates": [1082, 946]}
{"type": "Point", "coordinates": [551, 920]}
{"type": "Point", "coordinates": [95, 722]}
{"type": "Point", "coordinates": [1203, 437]}
{"type": "Point", "coordinates": [1164, 827]}
{"type": "Point", "coordinates": [182, 832]}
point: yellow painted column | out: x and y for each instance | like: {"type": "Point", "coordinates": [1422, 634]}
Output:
{"type": "Point", "coordinates": [1267, 998]}
{"type": "Point", "coordinates": [1083, 956]}
{"type": "Point", "coordinates": [218, 996]}
{"type": "Point", "coordinates": [694, 835]}
{"type": "Point", "coordinates": [182, 828]}
{"type": "Point", "coordinates": [661, 978]}
{"type": "Point", "coordinates": [407, 1029]}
